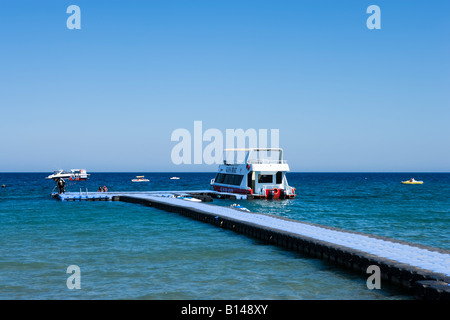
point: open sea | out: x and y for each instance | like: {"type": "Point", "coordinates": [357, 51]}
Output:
{"type": "Point", "coordinates": [129, 251]}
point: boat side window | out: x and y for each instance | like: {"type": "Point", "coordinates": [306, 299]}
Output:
{"type": "Point", "coordinates": [232, 179]}
{"type": "Point", "coordinates": [219, 178]}
{"type": "Point", "coordinates": [237, 179]}
{"type": "Point", "coordinates": [228, 179]}
{"type": "Point", "coordinates": [265, 178]}
{"type": "Point", "coordinates": [279, 177]}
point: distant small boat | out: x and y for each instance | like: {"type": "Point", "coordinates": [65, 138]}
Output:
{"type": "Point", "coordinates": [174, 178]}
{"type": "Point", "coordinates": [412, 181]}
{"type": "Point", "coordinates": [140, 179]}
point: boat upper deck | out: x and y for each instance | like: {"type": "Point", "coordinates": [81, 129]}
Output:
{"type": "Point", "coordinates": [254, 156]}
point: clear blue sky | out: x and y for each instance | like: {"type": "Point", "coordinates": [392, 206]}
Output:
{"type": "Point", "coordinates": [107, 97]}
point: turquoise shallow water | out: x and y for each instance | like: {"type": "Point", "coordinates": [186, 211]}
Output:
{"type": "Point", "coordinates": [128, 251]}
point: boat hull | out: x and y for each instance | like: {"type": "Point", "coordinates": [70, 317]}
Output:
{"type": "Point", "coordinates": [231, 189]}
{"type": "Point", "coordinates": [267, 195]}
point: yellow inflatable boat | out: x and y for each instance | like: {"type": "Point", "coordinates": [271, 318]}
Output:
{"type": "Point", "coordinates": [412, 182]}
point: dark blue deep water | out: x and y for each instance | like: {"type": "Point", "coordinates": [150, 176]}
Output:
{"type": "Point", "coordinates": [129, 251]}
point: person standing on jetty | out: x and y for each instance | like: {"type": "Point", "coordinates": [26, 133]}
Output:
{"type": "Point", "coordinates": [61, 184]}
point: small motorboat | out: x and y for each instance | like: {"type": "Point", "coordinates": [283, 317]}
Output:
{"type": "Point", "coordinates": [175, 178]}
{"type": "Point", "coordinates": [238, 206]}
{"type": "Point", "coordinates": [140, 179]}
{"type": "Point", "coordinates": [412, 181]}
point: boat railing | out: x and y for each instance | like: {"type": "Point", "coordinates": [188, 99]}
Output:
{"type": "Point", "coordinates": [285, 186]}
{"type": "Point", "coordinates": [266, 161]}
{"type": "Point", "coordinates": [269, 186]}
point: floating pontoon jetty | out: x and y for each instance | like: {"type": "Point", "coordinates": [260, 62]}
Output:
{"type": "Point", "coordinates": [423, 271]}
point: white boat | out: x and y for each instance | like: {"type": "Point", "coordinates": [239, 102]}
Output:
{"type": "Point", "coordinates": [189, 199]}
{"type": "Point", "coordinates": [252, 171]}
{"type": "Point", "coordinates": [140, 179]}
{"type": "Point", "coordinates": [238, 206]}
{"type": "Point", "coordinates": [174, 178]}
{"type": "Point", "coordinates": [73, 175]}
